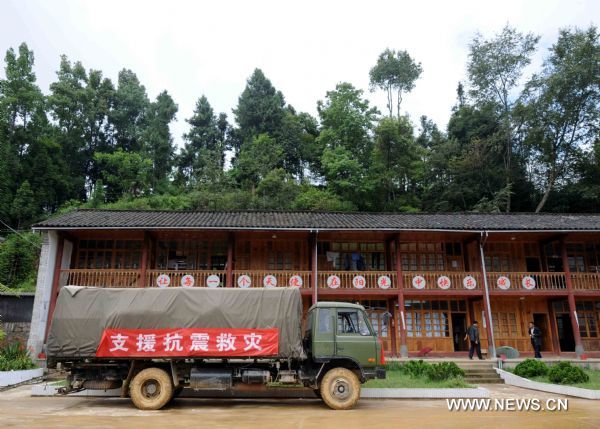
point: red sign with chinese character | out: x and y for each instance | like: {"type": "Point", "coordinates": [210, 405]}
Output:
{"type": "Point", "coordinates": [188, 342]}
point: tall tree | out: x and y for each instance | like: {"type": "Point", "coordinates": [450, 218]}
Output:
{"type": "Point", "coordinates": [202, 159]}
{"type": "Point", "coordinates": [127, 117]}
{"type": "Point", "coordinates": [394, 72]}
{"type": "Point", "coordinates": [563, 112]}
{"type": "Point", "coordinates": [494, 69]}
{"type": "Point", "coordinates": [260, 108]}
{"type": "Point", "coordinates": [157, 140]}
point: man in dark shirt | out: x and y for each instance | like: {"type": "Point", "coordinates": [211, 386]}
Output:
{"type": "Point", "coordinates": [473, 336]}
{"type": "Point", "coordinates": [535, 334]}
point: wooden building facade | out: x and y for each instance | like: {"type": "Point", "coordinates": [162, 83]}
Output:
{"type": "Point", "coordinates": [423, 278]}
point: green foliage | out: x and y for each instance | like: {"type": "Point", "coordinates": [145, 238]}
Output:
{"type": "Point", "coordinates": [444, 371]}
{"type": "Point", "coordinates": [18, 260]}
{"type": "Point", "coordinates": [531, 368]}
{"type": "Point", "coordinates": [415, 368]}
{"type": "Point", "coordinates": [14, 357]}
{"type": "Point", "coordinates": [125, 173]}
{"type": "Point", "coordinates": [394, 71]}
{"type": "Point", "coordinates": [565, 373]}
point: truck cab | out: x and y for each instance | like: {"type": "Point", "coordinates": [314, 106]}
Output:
{"type": "Point", "coordinates": [340, 334]}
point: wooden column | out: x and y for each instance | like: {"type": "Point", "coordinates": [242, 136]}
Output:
{"type": "Point", "coordinates": [229, 268]}
{"type": "Point", "coordinates": [55, 283]}
{"type": "Point", "coordinates": [571, 299]}
{"type": "Point", "coordinates": [401, 317]}
{"type": "Point", "coordinates": [553, 330]}
{"type": "Point", "coordinates": [144, 263]}
{"type": "Point", "coordinates": [314, 268]}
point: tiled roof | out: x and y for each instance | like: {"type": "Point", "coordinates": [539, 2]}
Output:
{"type": "Point", "coordinates": [305, 220]}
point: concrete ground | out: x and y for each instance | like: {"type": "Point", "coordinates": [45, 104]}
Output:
{"type": "Point", "coordinates": [19, 410]}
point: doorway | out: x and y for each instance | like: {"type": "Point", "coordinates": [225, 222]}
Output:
{"type": "Point", "coordinates": [541, 321]}
{"type": "Point", "coordinates": [565, 332]}
{"type": "Point", "coordinates": [459, 330]}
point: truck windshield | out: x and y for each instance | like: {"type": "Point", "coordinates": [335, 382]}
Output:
{"type": "Point", "coordinates": [351, 322]}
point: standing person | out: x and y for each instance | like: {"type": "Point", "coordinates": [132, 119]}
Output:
{"type": "Point", "coordinates": [473, 336]}
{"type": "Point", "coordinates": [535, 334]}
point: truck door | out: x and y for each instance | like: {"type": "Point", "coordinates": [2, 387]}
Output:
{"type": "Point", "coordinates": [354, 337]}
{"type": "Point", "coordinates": [323, 337]}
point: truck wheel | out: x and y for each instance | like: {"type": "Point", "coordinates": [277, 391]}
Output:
{"type": "Point", "coordinates": [151, 389]}
{"type": "Point", "coordinates": [340, 389]}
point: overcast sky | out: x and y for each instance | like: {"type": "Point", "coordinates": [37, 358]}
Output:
{"type": "Point", "coordinates": [304, 47]}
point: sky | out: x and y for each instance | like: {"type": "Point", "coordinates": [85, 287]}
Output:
{"type": "Point", "coordinates": [305, 48]}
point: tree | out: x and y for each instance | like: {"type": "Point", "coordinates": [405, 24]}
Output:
{"type": "Point", "coordinates": [202, 159]}
{"type": "Point", "coordinates": [260, 108]}
{"type": "Point", "coordinates": [394, 71]}
{"type": "Point", "coordinates": [127, 116]}
{"type": "Point", "coordinates": [256, 160]}
{"type": "Point", "coordinates": [157, 140]}
{"type": "Point", "coordinates": [563, 111]}
{"type": "Point", "coordinates": [124, 173]}
{"type": "Point", "coordinates": [494, 69]}
{"type": "Point", "coordinates": [18, 260]}
{"type": "Point", "coordinates": [23, 208]}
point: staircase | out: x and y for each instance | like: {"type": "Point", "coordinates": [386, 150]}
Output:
{"type": "Point", "coordinates": [480, 372]}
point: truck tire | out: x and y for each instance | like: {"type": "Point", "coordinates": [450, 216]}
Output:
{"type": "Point", "coordinates": [151, 389]}
{"type": "Point", "coordinates": [340, 389]}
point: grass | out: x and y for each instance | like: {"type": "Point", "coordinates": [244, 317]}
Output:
{"type": "Point", "coordinates": [398, 379]}
{"type": "Point", "coordinates": [593, 383]}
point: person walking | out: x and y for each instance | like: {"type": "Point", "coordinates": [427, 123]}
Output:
{"type": "Point", "coordinates": [473, 336]}
{"type": "Point", "coordinates": [535, 334]}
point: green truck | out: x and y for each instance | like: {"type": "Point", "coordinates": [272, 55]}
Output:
{"type": "Point", "coordinates": [152, 343]}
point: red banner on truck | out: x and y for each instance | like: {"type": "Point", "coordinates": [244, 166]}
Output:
{"type": "Point", "coordinates": [188, 342]}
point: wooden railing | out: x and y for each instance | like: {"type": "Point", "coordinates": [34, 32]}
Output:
{"type": "Point", "coordinates": [344, 280]}
{"type": "Point", "coordinates": [271, 278]}
{"type": "Point", "coordinates": [100, 278]}
{"type": "Point", "coordinates": [527, 281]}
{"type": "Point", "coordinates": [436, 280]}
{"type": "Point", "coordinates": [586, 281]}
{"type": "Point", "coordinates": [370, 280]}
{"type": "Point", "coordinates": [196, 278]}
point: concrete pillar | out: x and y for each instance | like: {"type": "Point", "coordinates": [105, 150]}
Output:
{"type": "Point", "coordinates": [43, 301]}
{"type": "Point", "coordinates": [571, 299]}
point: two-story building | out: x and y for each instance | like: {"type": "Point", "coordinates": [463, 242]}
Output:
{"type": "Point", "coordinates": [422, 277]}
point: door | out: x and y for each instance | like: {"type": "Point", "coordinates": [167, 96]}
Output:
{"type": "Point", "coordinates": [565, 332]}
{"type": "Point", "coordinates": [459, 330]}
{"type": "Point", "coordinates": [354, 338]}
{"type": "Point", "coordinates": [541, 321]}
{"type": "Point", "coordinates": [324, 339]}
{"type": "Point", "coordinates": [380, 321]}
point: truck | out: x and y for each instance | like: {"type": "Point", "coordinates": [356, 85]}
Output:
{"type": "Point", "coordinates": [152, 343]}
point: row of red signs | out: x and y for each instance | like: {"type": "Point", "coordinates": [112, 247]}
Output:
{"type": "Point", "coordinates": [188, 342]}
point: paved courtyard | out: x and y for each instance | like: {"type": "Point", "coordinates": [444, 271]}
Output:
{"type": "Point", "coordinates": [19, 410]}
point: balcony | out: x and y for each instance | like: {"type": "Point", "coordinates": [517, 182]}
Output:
{"type": "Point", "coordinates": [338, 282]}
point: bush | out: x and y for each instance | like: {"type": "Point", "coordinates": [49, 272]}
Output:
{"type": "Point", "coordinates": [14, 357]}
{"type": "Point", "coordinates": [415, 368]}
{"type": "Point", "coordinates": [565, 373]}
{"type": "Point", "coordinates": [531, 368]}
{"type": "Point", "coordinates": [444, 371]}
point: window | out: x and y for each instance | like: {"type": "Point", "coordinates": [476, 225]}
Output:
{"type": "Point", "coordinates": [107, 254]}
{"type": "Point", "coordinates": [497, 257]}
{"type": "Point", "coordinates": [424, 256]}
{"type": "Point", "coordinates": [191, 254]}
{"type": "Point", "coordinates": [352, 256]}
{"type": "Point", "coordinates": [427, 318]}
{"type": "Point", "coordinates": [576, 257]}
{"type": "Point", "coordinates": [351, 322]}
{"type": "Point", "coordinates": [325, 321]}
{"type": "Point", "coordinates": [587, 318]}
{"type": "Point", "coordinates": [505, 324]}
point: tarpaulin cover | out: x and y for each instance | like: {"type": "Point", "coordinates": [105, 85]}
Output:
{"type": "Point", "coordinates": [82, 314]}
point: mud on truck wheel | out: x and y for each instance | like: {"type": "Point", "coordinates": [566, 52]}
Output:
{"type": "Point", "coordinates": [340, 389]}
{"type": "Point", "coordinates": [151, 389]}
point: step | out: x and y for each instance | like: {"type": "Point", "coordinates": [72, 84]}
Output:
{"type": "Point", "coordinates": [485, 381]}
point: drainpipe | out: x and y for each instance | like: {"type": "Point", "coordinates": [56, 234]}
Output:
{"type": "Point", "coordinates": [315, 280]}
{"type": "Point", "coordinates": [486, 299]}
